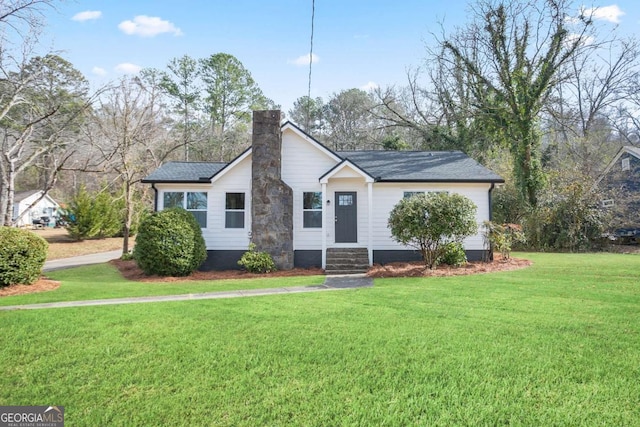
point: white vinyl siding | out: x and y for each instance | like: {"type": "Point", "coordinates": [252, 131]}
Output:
{"type": "Point", "coordinates": [302, 166]}
{"type": "Point", "coordinates": [216, 236]}
{"type": "Point", "coordinates": [386, 195]}
{"type": "Point", "coordinates": [303, 163]}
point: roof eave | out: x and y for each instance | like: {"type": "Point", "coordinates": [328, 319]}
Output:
{"type": "Point", "coordinates": [174, 181]}
{"type": "Point", "coordinates": [457, 181]}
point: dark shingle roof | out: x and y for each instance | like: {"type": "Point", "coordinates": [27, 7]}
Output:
{"type": "Point", "coordinates": [19, 196]}
{"type": "Point", "coordinates": [179, 172]}
{"type": "Point", "coordinates": [389, 166]}
{"type": "Point", "coordinates": [420, 166]}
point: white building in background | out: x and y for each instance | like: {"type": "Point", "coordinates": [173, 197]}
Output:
{"type": "Point", "coordinates": [26, 213]}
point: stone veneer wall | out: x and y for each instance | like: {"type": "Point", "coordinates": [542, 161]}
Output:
{"type": "Point", "coordinates": [271, 198]}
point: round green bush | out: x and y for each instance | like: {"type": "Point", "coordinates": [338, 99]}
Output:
{"type": "Point", "coordinates": [257, 262]}
{"type": "Point", "coordinates": [453, 255]}
{"type": "Point", "coordinates": [22, 255]}
{"type": "Point", "coordinates": [170, 243]}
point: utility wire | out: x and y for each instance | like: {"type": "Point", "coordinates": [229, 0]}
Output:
{"type": "Point", "coordinates": [313, 14]}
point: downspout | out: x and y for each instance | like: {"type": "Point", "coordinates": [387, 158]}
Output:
{"type": "Point", "coordinates": [155, 197]}
{"type": "Point", "coordinates": [493, 185]}
{"type": "Point", "coordinates": [370, 222]}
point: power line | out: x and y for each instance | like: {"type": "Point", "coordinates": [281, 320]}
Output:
{"type": "Point", "coordinates": [313, 14]}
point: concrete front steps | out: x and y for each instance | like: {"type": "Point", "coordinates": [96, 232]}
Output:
{"type": "Point", "coordinates": [347, 261]}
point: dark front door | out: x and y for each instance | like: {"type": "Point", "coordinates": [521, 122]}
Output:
{"type": "Point", "coordinates": [346, 217]}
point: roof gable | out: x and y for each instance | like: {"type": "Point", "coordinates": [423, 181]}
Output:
{"type": "Point", "coordinates": [628, 149]}
{"type": "Point", "coordinates": [346, 169]}
{"type": "Point", "coordinates": [289, 126]}
{"type": "Point", "coordinates": [634, 151]}
{"type": "Point", "coordinates": [32, 195]}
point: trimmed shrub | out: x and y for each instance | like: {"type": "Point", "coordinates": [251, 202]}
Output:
{"type": "Point", "coordinates": [453, 255]}
{"type": "Point", "coordinates": [170, 243]}
{"type": "Point", "coordinates": [428, 222]}
{"type": "Point", "coordinates": [257, 262]}
{"type": "Point", "coordinates": [22, 255]}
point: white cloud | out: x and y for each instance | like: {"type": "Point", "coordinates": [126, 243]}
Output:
{"type": "Point", "coordinates": [573, 37]}
{"type": "Point", "coordinates": [370, 86]}
{"type": "Point", "coordinates": [148, 26]}
{"type": "Point", "coordinates": [87, 15]}
{"type": "Point", "coordinates": [606, 13]}
{"type": "Point", "coordinates": [304, 60]}
{"type": "Point", "coordinates": [128, 68]}
{"type": "Point", "coordinates": [99, 71]}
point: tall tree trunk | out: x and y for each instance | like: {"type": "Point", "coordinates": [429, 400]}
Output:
{"type": "Point", "coordinates": [128, 217]}
{"type": "Point", "coordinates": [10, 193]}
{"type": "Point", "coordinates": [4, 184]}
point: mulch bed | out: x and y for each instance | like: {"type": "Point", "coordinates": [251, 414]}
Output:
{"type": "Point", "coordinates": [42, 285]}
{"type": "Point", "coordinates": [130, 270]}
{"type": "Point", "coordinates": [417, 268]}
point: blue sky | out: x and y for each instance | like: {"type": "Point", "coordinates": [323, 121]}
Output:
{"type": "Point", "coordinates": [356, 43]}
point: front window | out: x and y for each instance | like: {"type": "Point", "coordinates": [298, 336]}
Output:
{"type": "Point", "coordinates": [312, 210]}
{"type": "Point", "coordinates": [408, 194]}
{"type": "Point", "coordinates": [234, 210]}
{"type": "Point", "coordinates": [194, 202]}
{"type": "Point", "coordinates": [174, 199]}
{"type": "Point", "coordinates": [197, 205]}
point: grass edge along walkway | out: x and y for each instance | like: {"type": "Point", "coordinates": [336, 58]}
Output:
{"type": "Point", "coordinates": [335, 283]}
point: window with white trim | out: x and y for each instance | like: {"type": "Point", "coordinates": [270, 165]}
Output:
{"type": "Point", "coordinates": [408, 194]}
{"type": "Point", "coordinates": [312, 209]}
{"type": "Point", "coordinates": [192, 201]}
{"type": "Point", "coordinates": [626, 164]}
{"type": "Point", "coordinates": [234, 210]}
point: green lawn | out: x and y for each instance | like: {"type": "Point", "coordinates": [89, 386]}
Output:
{"type": "Point", "coordinates": [104, 281]}
{"type": "Point", "coordinates": [555, 344]}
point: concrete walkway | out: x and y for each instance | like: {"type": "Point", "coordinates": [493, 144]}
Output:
{"type": "Point", "coordinates": [76, 261]}
{"type": "Point", "coordinates": [332, 283]}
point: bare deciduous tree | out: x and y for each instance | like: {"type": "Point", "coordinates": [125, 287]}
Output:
{"type": "Point", "coordinates": [42, 102]}
{"type": "Point", "coordinates": [129, 137]}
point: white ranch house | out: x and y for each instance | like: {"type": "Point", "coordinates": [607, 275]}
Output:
{"type": "Point", "coordinates": [340, 200]}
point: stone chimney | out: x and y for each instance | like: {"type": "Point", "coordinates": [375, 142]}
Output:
{"type": "Point", "coordinates": [271, 198]}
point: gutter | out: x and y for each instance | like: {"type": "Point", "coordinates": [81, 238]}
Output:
{"type": "Point", "coordinates": [455, 181]}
